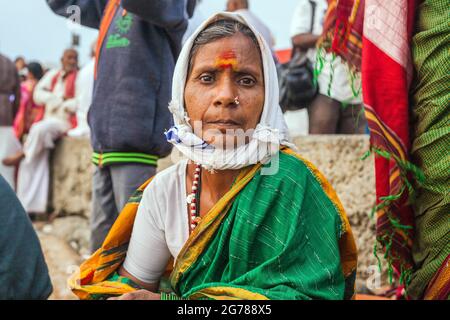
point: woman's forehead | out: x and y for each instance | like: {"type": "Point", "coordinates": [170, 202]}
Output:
{"type": "Point", "coordinates": [229, 51]}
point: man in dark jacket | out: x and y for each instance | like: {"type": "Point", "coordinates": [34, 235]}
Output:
{"type": "Point", "coordinates": [23, 271]}
{"type": "Point", "coordinates": [139, 41]}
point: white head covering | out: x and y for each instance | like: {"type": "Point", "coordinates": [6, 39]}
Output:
{"type": "Point", "coordinates": [269, 134]}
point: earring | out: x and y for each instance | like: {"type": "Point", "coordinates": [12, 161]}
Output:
{"type": "Point", "coordinates": [236, 101]}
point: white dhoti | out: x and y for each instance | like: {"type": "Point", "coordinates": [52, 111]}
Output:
{"type": "Point", "coordinates": [9, 144]}
{"type": "Point", "coordinates": [335, 81]}
{"type": "Point", "coordinates": [33, 177]}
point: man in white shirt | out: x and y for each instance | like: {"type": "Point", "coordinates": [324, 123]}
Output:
{"type": "Point", "coordinates": [307, 25]}
{"type": "Point", "coordinates": [57, 91]}
{"type": "Point", "coordinates": [336, 109]}
{"type": "Point", "coordinates": [242, 7]}
{"type": "Point", "coordinates": [195, 20]}
{"type": "Point", "coordinates": [84, 90]}
{"type": "Point", "coordinates": [306, 28]}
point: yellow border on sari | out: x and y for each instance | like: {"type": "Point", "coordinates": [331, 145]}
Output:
{"type": "Point", "coordinates": [227, 293]}
{"type": "Point", "coordinates": [90, 278]}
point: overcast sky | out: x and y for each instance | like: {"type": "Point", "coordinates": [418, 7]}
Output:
{"type": "Point", "coordinates": [30, 29]}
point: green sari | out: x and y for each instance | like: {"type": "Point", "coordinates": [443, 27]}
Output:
{"type": "Point", "coordinates": [281, 236]}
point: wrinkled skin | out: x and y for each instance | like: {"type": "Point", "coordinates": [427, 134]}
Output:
{"type": "Point", "coordinates": [69, 60]}
{"type": "Point", "coordinates": [213, 87]}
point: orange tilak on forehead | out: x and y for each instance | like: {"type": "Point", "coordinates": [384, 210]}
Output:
{"type": "Point", "coordinates": [227, 60]}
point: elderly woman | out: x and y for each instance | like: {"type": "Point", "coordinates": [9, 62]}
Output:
{"type": "Point", "coordinates": [243, 216]}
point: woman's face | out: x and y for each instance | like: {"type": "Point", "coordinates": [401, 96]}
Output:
{"type": "Point", "coordinates": [224, 93]}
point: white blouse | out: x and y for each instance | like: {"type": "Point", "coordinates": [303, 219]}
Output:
{"type": "Point", "coordinates": [161, 227]}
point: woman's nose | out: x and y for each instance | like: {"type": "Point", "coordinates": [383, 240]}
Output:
{"type": "Point", "coordinates": [226, 94]}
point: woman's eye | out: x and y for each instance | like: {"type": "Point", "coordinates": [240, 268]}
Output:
{"type": "Point", "coordinates": [206, 78]}
{"type": "Point", "coordinates": [246, 81]}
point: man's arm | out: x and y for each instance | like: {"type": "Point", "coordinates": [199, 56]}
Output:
{"type": "Point", "coordinates": [153, 287]}
{"type": "Point", "coordinates": [42, 94]}
{"type": "Point", "coordinates": [168, 14]}
{"type": "Point", "coordinates": [91, 11]}
{"type": "Point", "coordinates": [301, 34]}
{"type": "Point", "coordinates": [305, 41]}
{"type": "Point", "coordinates": [70, 105]}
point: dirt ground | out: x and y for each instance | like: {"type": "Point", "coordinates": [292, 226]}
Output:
{"type": "Point", "coordinates": [61, 260]}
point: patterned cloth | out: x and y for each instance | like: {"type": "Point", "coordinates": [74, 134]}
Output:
{"type": "Point", "coordinates": [375, 39]}
{"type": "Point", "coordinates": [270, 237]}
{"type": "Point", "coordinates": [430, 148]}
{"type": "Point", "coordinates": [280, 239]}
{"type": "Point", "coordinates": [342, 32]}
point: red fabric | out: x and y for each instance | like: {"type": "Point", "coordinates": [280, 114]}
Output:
{"type": "Point", "coordinates": [69, 91]}
{"type": "Point", "coordinates": [348, 31]}
{"type": "Point", "coordinates": [29, 112]}
{"type": "Point", "coordinates": [284, 55]}
{"type": "Point", "coordinates": [385, 91]}
{"type": "Point", "coordinates": [385, 87]}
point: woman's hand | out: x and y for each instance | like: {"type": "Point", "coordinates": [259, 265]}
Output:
{"type": "Point", "coordinates": [138, 295]}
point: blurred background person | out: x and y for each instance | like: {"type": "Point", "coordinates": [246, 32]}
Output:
{"type": "Point", "coordinates": [21, 64]}
{"type": "Point", "coordinates": [243, 8]}
{"type": "Point", "coordinates": [85, 90]}
{"type": "Point", "coordinates": [9, 104]}
{"type": "Point", "coordinates": [138, 44]}
{"type": "Point", "coordinates": [338, 106]}
{"type": "Point", "coordinates": [29, 112]}
{"type": "Point", "coordinates": [195, 21]}
{"type": "Point", "coordinates": [56, 90]}
{"type": "Point", "coordinates": [305, 30]}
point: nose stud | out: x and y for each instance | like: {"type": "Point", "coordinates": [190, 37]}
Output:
{"type": "Point", "coordinates": [236, 101]}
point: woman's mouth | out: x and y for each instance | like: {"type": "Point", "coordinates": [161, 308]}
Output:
{"type": "Point", "coordinates": [227, 122]}
{"type": "Point", "coordinates": [223, 125]}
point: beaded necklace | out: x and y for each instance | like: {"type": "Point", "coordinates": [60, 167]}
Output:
{"type": "Point", "coordinates": [193, 199]}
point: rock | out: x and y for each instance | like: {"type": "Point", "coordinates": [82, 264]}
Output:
{"type": "Point", "coordinates": [71, 176]}
{"type": "Point", "coordinates": [74, 230]}
{"type": "Point", "coordinates": [338, 157]}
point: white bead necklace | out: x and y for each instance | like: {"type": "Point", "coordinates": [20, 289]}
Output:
{"type": "Point", "coordinates": [193, 199]}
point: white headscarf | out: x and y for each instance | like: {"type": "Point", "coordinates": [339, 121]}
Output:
{"type": "Point", "coordinates": [269, 134]}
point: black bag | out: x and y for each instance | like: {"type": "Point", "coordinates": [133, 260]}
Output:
{"type": "Point", "coordinates": [296, 79]}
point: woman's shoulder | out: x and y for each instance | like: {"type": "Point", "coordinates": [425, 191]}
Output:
{"type": "Point", "coordinates": [301, 169]}
{"type": "Point", "coordinates": [295, 170]}
{"type": "Point", "coordinates": [158, 195]}
{"type": "Point", "coordinates": [167, 178]}
{"type": "Point", "coordinates": [291, 163]}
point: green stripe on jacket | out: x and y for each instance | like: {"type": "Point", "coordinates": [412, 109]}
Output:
{"type": "Point", "coordinates": [109, 158]}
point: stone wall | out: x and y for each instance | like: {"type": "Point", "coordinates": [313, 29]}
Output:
{"type": "Point", "coordinates": [71, 174]}
{"type": "Point", "coordinates": [338, 157]}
